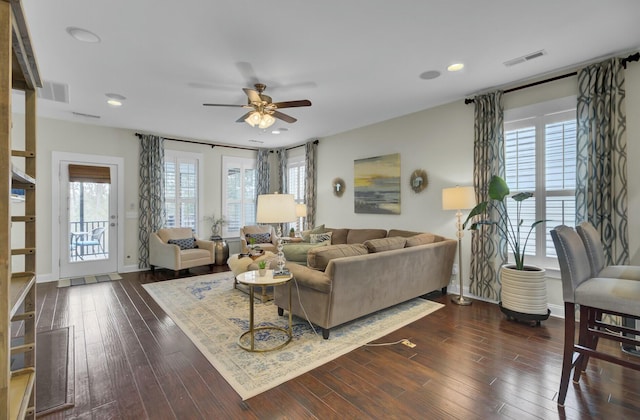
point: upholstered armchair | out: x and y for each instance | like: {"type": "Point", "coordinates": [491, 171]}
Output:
{"type": "Point", "coordinates": [177, 249]}
{"type": "Point", "coordinates": [265, 237]}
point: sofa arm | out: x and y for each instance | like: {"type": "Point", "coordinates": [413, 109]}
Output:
{"type": "Point", "coordinates": [162, 254]}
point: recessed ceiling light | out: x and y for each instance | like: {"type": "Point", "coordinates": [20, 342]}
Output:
{"type": "Point", "coordinates": [431, 74]}
{"type": "Point", "coordinates": [83, 35]}
{"type": "Point", "coordinates": [276, 131]}
{"type": "Point", "coordinates": [114, 102]}
{"type": "Point", "coordinates": [455, 67]}
{"type": "Point", "coordinates": [115, 99]}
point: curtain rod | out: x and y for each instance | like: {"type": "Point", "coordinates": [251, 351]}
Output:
{"type": "Point", "coordinates": [623, 61]}
{"type": "Point", "coordinates": [212, 145]}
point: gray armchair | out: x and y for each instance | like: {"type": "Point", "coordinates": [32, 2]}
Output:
{"type": "Point", "coordinates": [177, 249]}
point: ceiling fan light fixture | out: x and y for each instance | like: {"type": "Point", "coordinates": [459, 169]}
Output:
{"type": "Point", "coordinates": [253, 119]}
{"type": "Point", "coordinates": [266, 121]}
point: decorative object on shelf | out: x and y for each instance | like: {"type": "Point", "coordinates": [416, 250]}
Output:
{"type": "Point", "coordinates": [276, 208]}
{"type": "Point", "coordinates": [338, 187]}
{"type": "Point", "coordinates": [377, 185]}
{"type": "Point", "coordinates": [459, 198]}
{"type": "Point", "coordinates": [418, 180]}
{"type": "Point", "coordinates": [524, 287]}
{"type": "Point", "coordinates": [262, 268]}
{"type": "Point", "coordinates": [217, 223]}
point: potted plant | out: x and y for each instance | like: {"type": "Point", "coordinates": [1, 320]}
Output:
{"type": "Point", "coordinates": [524, 288]}
{"type": "Point", "coordinates": [292, 233]}
{"type": "Point", "coordinates": [262, 268]}
{"type": "Point", "coordinates": [217, 223]}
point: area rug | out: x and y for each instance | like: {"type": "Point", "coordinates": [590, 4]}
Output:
{"type": "Point", "coordinates": [213, 315]}
{"type": "Point", "coordinates": [78, 281]}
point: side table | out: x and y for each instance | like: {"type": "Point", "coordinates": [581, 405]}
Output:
{"type": "Point", "coordinates": [252, 279]}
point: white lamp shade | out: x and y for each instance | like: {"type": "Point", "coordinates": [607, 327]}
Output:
{"type": "Point", "coordinates": [458, 198]}
{"type": "Point", "coordinates": [301, 210]}
{"type": "Point", "coordinates": [276, 208]}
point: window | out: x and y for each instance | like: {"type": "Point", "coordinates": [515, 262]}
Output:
{"type": "Point", "coordinates": [181, 177]}
{"type": "Point", "coordinates": [296, 175]}
{"type": "Point", "coordinates": [540, 157]}
{"type": "Point", "coordinates": [238, 193]}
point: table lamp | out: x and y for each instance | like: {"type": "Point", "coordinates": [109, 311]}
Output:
{"type": "Point", "coordinates": [459, 198]}
{"type": "Point", "coordinates": [301, 211]}
{"type": "Point", "coordinates": [276, 208]}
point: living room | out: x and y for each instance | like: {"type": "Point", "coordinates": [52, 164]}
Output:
{"type": "Point", "coordinates": [438, 139]}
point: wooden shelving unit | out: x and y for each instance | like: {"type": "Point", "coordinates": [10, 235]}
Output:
{"type": "Point", "coordinates": [18, 71]}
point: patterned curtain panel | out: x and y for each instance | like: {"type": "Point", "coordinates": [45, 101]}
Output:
{"type": "Point", "coordinates": [282, 170]}
{"type": "Point", "coordinates": [601, 186]}
{"type": "Point", "coordinates": [262, 171]}
{"type": "Point", "coordinates": [151, 191]}
{"type": "Point", "coordinates": [488, 247]}
{"type": "Point", "coordinates": [311, 153]}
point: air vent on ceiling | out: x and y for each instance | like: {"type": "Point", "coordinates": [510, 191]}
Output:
{"type": "Point", "coordinates": [54, 91]}
{"type": "Point", "coordinates": [525, 58]}
{"type": "Point", "coordinates": [81, 114]}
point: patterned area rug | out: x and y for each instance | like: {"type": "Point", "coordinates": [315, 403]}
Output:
{"type": "Point", "coordinates": [78, 281]}
{"type": "Point", "coordinates": [213, 315]}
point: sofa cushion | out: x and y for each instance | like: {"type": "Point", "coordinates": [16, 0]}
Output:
{"type": "Point", "coordinates": [318, 258]}
{"type": "Point", "coordinates": [338, 236]}
{"type": "Point", "coordinates": [306, 234]}
{"type": "Point", "coordinates": [297, 252]}
{"type": "Point", "coordinates": [423, 239]}
{"type": "Point", "coordinates": [260, 238]}
{"type": "Point", "coordinates": [186, 243]}
{"type": "Point", "coordinates": [358, 236]}
{"type": "Point", "coordinates": [385, 244]}
{"type": "Point", "coordinates": [316, 238]}
{"type": "Point", "coordinates": [403, 233]}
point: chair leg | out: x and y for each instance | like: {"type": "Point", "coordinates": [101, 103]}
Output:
{"type": "Point", "coordinates": [567, 355]}
{"type": "Point", "coordinates": [587, 316]}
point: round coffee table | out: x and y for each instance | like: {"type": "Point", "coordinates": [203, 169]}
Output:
{"type": "Point", "coordinates": [252, 279]}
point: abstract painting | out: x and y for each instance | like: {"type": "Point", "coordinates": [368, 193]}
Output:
{"type": "Point", "coordinates": [377, 184]}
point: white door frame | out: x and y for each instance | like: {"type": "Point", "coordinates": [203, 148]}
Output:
{"type": "Point", "coordinates": [56, 158]}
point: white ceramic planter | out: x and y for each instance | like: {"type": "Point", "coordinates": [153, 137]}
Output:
{"type": "Point", "coordinates": [524, 291]}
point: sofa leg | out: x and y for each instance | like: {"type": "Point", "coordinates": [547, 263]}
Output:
{"type": "Point", "coordinates": [444, 291]}
{"type": "Point", "coordinates": [280, 311]}
{"type": "Point", "coordinates": [152, 268]}
{"type": "Point", "coordinates": [176, 273]}
{"type": "Point", "coordinates": [325, 333]}
{"type": "Point", "coordinates": [210, 266]}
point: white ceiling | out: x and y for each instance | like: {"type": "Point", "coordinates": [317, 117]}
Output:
{"type": "Point", "coordinates": [358, 61]}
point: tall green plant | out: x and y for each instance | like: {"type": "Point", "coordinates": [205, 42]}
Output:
{"type": "Point", "coordinates": [498, 192]}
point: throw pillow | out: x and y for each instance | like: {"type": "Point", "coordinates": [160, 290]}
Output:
{"type": "Point", "coordinates": [316, 238]}
{"type": "Point", "coordinates": [306, 235]}
{"type": "Point", "coordinates": [187, 243]}
{"type": "Point", "coordinates": [261, 238]}
{"type": "Point", "coordinates": [318, 258]}
{"type": "Point", "coordinates": [385, 244]}
{"type": "Point", "coordinates": [422, 239]}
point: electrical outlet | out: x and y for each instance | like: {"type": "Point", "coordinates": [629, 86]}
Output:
{"type": "Point", "coordinates": [408, 343]}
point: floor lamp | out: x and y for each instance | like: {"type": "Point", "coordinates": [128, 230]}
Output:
{"type": "Point", "coordinates": [459, 198]}
{"type": "Point", "coordinates": [276, 208]}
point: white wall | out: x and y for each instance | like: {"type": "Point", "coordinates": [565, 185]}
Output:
{"type": "Point", "coordinates": [440, 141]}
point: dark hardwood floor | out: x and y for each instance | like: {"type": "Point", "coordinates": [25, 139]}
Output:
{"type": "Point", "coordinates": [133, 362]}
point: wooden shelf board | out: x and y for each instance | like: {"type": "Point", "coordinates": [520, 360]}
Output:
{"type": "Point", "coordinates": [21, 283]}
{"type": "Point", "coordinates": [20, 392]}
{"type": "Point", "coordinates": [20, 177]}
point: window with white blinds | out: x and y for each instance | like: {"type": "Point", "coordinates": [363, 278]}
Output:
{"type": "Point", "coordinates": [296, 171]}
{"type": "Point", "coordinates": [181, 172]}
{"type": "Point", "coordinates": [540, 157]}
{"type": "Point", "coordinates": [238, 193]}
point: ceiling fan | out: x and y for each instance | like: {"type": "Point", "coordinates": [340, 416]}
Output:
{"type": "Point", "coordinates": [263, 111]}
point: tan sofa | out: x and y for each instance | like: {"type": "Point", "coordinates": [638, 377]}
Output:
{"type": "Point", "coordinates": [344, 282]}
{"type": "Point", "coordinates": [171, 256]}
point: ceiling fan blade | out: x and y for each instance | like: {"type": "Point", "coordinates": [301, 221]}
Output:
{"type": "Point", "coordinates": [284, 117]}
{"type": "Point", "coordinates": [235, 106]}
{"type": "Point", "coordinates": [244, 117]}
{"type": "Point", "coordinates": [253, 95]}
{"type": "Point", "coordinates": [292, 104]}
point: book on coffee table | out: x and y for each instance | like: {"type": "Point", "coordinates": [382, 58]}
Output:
{"type": "Point", "coordinates": [280, 274]}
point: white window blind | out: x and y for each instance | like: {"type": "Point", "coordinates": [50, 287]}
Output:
{"type": "Point", "coordinates": [238, 193]}
{"type": "Point", "coordinates": [540, 157]}
{"type": "Point", "coordinates": [181, 189]}
{"type": "Point", "coordinates": [296, 178]}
